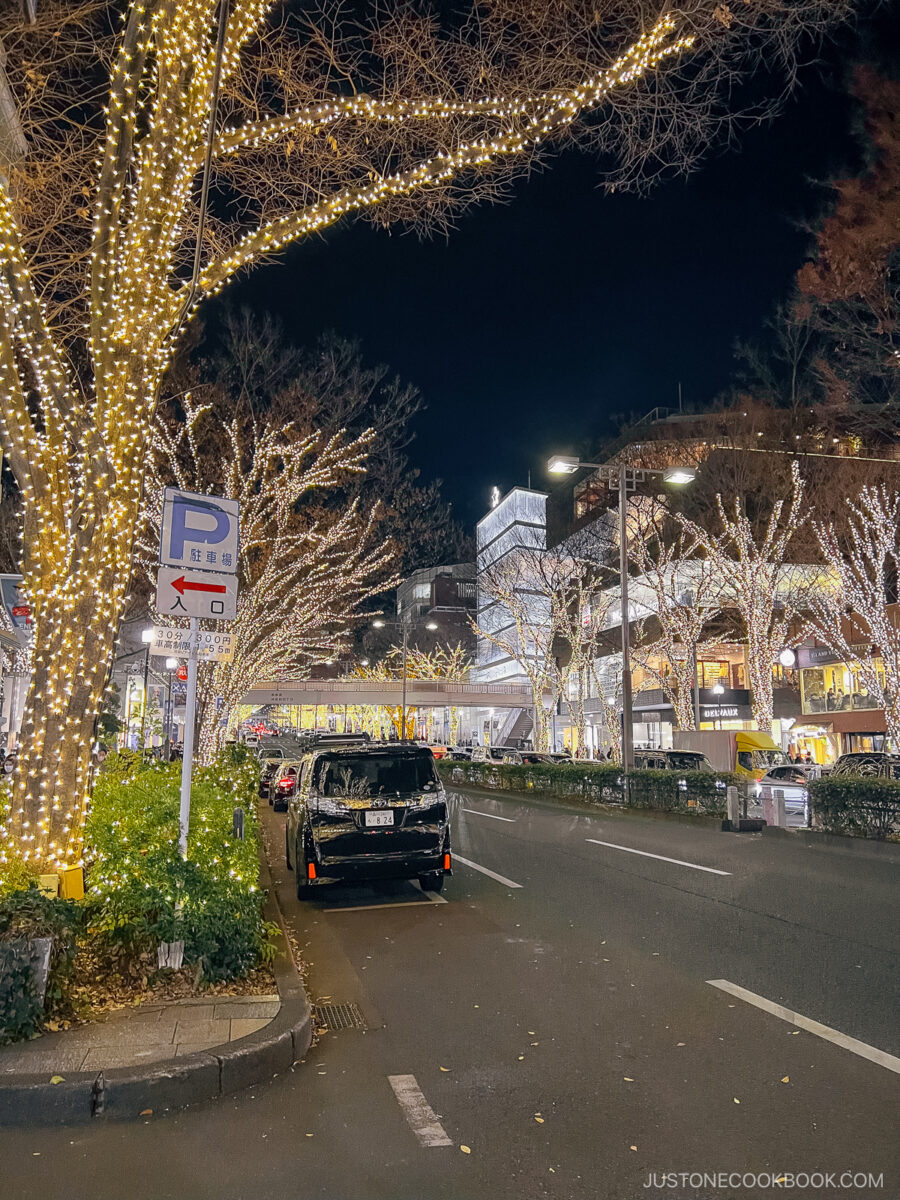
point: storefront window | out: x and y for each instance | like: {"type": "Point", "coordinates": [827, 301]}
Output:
{"type": "Point", "coordinates": [835, 688]}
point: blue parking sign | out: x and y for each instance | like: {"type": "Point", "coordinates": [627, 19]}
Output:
{"type": "Point", "coordinates": [199, 532]}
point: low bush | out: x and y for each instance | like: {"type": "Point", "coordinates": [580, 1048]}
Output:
{"type": "Point", "coordinates": [24, 915]}
{"type": "Point", "coordinates": [692, 792]}
{"type": "Point", "coordinates": [856, 805]}
{"type": "Point", "coordinates": [141, 892]}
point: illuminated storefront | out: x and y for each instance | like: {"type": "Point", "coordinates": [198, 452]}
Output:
{"type": "Point", "coordinates": [838, 711]}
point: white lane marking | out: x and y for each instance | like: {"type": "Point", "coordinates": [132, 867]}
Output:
{"type": "Point", "coordinates": [476, 813]}
{"type": "Point", "coordinates": [679, 862]}
{"type": "Point", "coordinates": [881, 1057]}
{"type": "Point", "coordinates": [421, 1117]}
{"type": "Point", "coordinates": [485, 871]}
{"type": "Point", "coordinates": [433, 898]}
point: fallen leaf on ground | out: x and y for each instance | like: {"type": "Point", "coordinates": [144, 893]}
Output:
{"type": "Point", "coordinates": [735, 1099]}
{"type": "Point", "coordinates": [540, 1120]}
{"type": "Point", "coordinates": [795, 1033]}
{"type": "Point", "coordinates": [632, 1147]}
{"type": "Point", "coordinates": [57, 1079]}
{"type": "Point", "coordinates": [681, 1043]}
{"type": "Point", "coordinates": [628, 1079]}
{"type": "Point", "coordinates": [465, 1150]}
{"type": "Point", "coordinates": [146, 1112]}
{"type": "Point", "coordinates": [447, 1069]}
{"type": "Point", "coordinates": [521, 1056]}
{"type": "Point", "coordinates": [786, 1079]}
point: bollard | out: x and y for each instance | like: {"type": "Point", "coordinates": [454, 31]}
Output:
{"type": "Point", "coordinates": [780, 814]}
{"type": "Point", "coordinates": [238, 823]}
{"type": "Point", "coordinates": [733, 808]}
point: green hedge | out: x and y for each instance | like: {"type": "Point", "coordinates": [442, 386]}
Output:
{"type": "Point", "coordinates": [856, 805]}
{"type": "Point", "coordinates": [694, 792]}
{"type": "Point", "coordinates": [140, 892]}
{"type": "Point", "coordinates": [24, 915]}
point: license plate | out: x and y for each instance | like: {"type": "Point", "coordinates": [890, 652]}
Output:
{"type": "Point", "coordinates": [380, 818]}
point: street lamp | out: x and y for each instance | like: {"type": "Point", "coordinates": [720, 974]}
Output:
{"type": "Point", "coordinates": [380, 623]}
{"type": "Point", "coordinates": [627, 479]}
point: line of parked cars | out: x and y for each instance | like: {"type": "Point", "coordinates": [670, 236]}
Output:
{"type": "Point", "coordinates": [360, 810]}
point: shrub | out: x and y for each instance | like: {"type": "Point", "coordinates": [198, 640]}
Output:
{"type": "Point", "coordinates": [24, 915]}
{"type": "Point", "coordinates": [601, 783]}
{"type": "Point", "coordinates": [856, 806]}
{"type": "Point", "coordinates": [141, 892]}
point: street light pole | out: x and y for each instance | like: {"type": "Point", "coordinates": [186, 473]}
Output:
{"type": "Point", "coordinates": [627, 715]}
{"type": "Point", "coordinates": [627, 479]}
{"type": "Point", "coordinates": [403, 672]}
{"type": "Point", "coordinates": [146, 638]}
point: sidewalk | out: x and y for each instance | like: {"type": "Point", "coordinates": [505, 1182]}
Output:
{"type": "Point", "coordinates": [151, 1033]}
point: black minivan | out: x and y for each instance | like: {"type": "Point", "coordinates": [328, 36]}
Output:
{"type": "Point", "coordinates": [363, 812]}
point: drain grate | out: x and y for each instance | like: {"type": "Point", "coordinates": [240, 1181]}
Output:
{"type": "Point", "coordinates": [339, 1016]}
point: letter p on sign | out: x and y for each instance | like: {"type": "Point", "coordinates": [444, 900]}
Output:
{"type": "Point", "coordinates": [199, 532]}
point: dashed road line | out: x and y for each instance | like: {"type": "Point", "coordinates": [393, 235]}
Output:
{"type": "Point", "coordinates": [881, 1057]}
{"type": "Point", "coordinates": [484, 871]}
{"type": "Point", "coordinates": [679, 862]}
{"type": "Point", "coordinates": [419, 1114]}
{"type": "Point", "coordinates": [476, 813]}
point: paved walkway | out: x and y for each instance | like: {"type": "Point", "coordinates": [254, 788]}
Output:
{"type": "Point", "coordinates": [135, 1036]}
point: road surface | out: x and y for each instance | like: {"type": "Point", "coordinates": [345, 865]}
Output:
{"type": "Point", "coordinates": [548, 1028]}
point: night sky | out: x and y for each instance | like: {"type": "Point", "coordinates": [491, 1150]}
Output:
{"type": "Point", "coordinates": [540, 320]}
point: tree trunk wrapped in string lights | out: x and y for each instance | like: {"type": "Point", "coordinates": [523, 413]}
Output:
{"type": "Point", "coordinates": [749, 561]}
{"type": "Point", "coordinates": [303, 571]}
{"type": "Point", "coordinates": [684, 587]}
{"type": "Point", "coordinates": [106, 250]}
{"type": "Point", "coordinates": [860, 606]}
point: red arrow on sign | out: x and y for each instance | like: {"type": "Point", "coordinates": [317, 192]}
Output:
{"type": "Point", "coordinates": [181, 586]}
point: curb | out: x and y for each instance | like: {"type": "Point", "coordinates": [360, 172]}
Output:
{"type": "Point", "coordinates": [815, 837]}
{"type": "Point", "coordinates": [125, 1092]}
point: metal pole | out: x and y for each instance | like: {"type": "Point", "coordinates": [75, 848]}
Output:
{"type": "Point", "coordinates": [169, 721]}
{"type": "Point", "coordinates": [403, 706]}
{"type": "Point", "coordinates": [144, 705]}
{"type": "Point", "coordinates": [190, 714]}
{"type": "Point", "coordinates": [696, 690]}
{"type": "Point", "coordinates": [627, 719]}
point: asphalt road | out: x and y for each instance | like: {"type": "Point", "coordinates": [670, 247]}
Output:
{"type": "Point", "coordinates": [559, 1038]}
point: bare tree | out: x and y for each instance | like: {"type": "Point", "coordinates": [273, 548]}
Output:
{"type": "Point", "coordinates": [684, 588]}
{"type": "Point", "coordinates": [860, 608]}
{"type": "Point", "coordinates": [302, 577]}
{"type": "Point", "coordinates": [758, 582]}
{"type": "Point", "coordinates": [523, 622]}
{"type": "Point", "coordinates": [288, 123]}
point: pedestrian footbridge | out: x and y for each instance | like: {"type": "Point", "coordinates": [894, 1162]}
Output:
{"type": "Point", "coordinates": [420, 693]}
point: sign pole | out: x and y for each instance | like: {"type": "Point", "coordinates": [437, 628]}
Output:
{"type": "Point", "coordinates": [190, 714]}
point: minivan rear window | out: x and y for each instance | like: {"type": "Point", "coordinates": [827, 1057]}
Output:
{"type": "Point", "coordinates": [385, 774]}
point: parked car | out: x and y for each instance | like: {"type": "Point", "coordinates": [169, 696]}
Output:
{"type": "Point", "coordinates": [793, 781]}
{"type": "Point", "coordinates": [526, 758]}
{"type": "Point", "coordinates": [364, 812]}
{"type": "Point", "coordinates": [460, 753]}
{"type": "Point", "coordinates": [868, 763]}
{"type": "Point", "coordinates": [283, 786]}
{"type": "Point", "coordinates": [489, 754]}
{"type": "Point", "coordinates": [438, 751]}
{"type": "Point", "coordinates": [672, 760]}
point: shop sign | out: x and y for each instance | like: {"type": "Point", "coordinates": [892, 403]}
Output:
{"type": "Point", "coordinates": [720, 712]}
